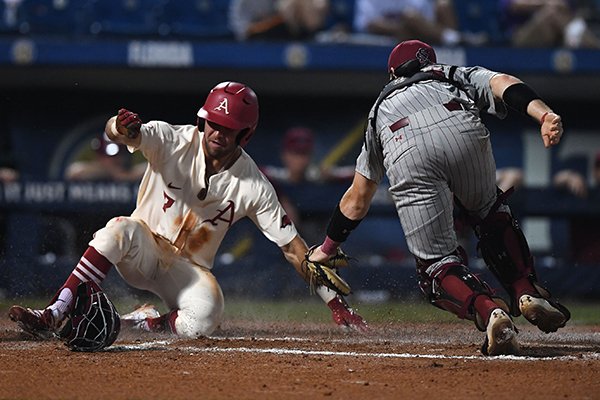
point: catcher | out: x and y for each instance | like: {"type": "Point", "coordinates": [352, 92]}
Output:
{"type": "Point", "coordinates": [426, 134]}
{"type": "Point", "coordinates": [198, 183]}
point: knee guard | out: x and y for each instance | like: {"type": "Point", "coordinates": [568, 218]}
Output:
{"type": "Point", "coordinates": [431, 274]}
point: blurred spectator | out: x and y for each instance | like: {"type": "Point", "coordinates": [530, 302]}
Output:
{"type": "Point", "coordinates": [103, 160]}
{"type": "Point", "coordinates": [584, 235]}
{"type": "Point", "coordinates": [277, 19]}
{"type": "Point", "coordinates": [571, 175]}
{"type": "Point", "coordinates": [11, 8]}
{"type": "Point", "coordinates": [298, 167]}
{"type": "Point", "coordinates": [297, 150]}
{"type": "Point", "coordinates": [108, 161]}
{"type": "Point", "coordinates": [509, 177]}
{"type": "Point", "coordinates": [433, 21]}
{"type": "Point", "coordinates": [572, 181]}
{"type": "Point", "coordinates": [546, 23]}
{"type": "Point", "coordinates": [8, 172]}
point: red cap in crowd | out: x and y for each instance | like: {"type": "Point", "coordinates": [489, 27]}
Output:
{"type": "Point", "coordinates": [299, 140]}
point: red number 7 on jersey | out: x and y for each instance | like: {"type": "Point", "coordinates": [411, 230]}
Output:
{"type": "Point", "coordinates": [168, 202]}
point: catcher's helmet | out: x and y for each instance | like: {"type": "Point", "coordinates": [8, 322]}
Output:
{"type": "Point", "coordinates": [409, 56]}
{"type": "Point", "coordinates": [234, 106]}
{"type": "Point", "coordinates": [93, 323]}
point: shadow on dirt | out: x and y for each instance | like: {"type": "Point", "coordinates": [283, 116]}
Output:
{"type": "Point", "coordinates": [559, 351]}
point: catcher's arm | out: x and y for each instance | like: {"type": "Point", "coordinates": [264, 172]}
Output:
{"type": "Point", "coordinates": [519, 96]}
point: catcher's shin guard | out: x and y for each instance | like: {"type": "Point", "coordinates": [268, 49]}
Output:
{"type": "Point", "coordinates": [460, 300]}
{"type": "Point", "coordinates": [504, 248]}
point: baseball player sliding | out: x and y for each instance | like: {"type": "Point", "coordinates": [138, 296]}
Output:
{"type": "Point", "coordinates": [426, 134]}
{"type": "Point", "coordinates": [198, 183]}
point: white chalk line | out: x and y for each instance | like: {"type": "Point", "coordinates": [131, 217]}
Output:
{"type": "Point", "coordinates": [171, 345]}
{"type": "Point", "coordinates": [284, 351]}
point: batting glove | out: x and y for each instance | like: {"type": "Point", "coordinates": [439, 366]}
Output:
{"type": "Point", "coordinates": [345, 316]}
{"type": "Point", "coordinates": [128, 123]}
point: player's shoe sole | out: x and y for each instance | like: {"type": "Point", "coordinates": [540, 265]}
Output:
{"type": "Point", "coordinates": [38, 323]}
{"type": "Point", "coordinates": [546, 315]}
{"type": "Point", "coordinates": [501, 335]}
{"type": "Point", "coordinates": [136, 318]}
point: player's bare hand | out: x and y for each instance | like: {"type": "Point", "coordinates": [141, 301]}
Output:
{"type": "Point", "coordinates": [128, 123]}
{"type": "Point", "coordinates": [551, 129]}
{"type": "Point", "coordinates": [318, 255]}
{"type": "Point", "coordinates": [345, 316]}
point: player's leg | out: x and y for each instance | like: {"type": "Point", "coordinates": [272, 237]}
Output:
{"type": "Point", "coordinates": [448, 284]}
{"type": "Point", "coordinates": [424, 203]}
{"type": "Point", "coordinates": [505, 250]}
{"type": "Point", "coordinates": [194, 299]}
{"type": "Point", "coordinates": [501, 241]}
{"type": "Point", "coordinates": [191, 293]}
{"type": "Point", "coordinates": [92, 266]}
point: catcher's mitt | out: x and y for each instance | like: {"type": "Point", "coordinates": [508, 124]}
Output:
{"type": "Point", "coordinates": [325, 274]}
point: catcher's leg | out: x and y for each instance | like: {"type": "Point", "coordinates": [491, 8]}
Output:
{"type": "Point", "coordinates": [448, 284]}
{"type": "Point", "coordinates": [506, 253]}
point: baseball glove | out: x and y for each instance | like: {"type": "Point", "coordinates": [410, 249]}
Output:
{"type": "Point", "coordinates": [325, 274]}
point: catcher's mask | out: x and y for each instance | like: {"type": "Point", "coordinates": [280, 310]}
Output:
{"type": "Point", "coordinates": [410, 56]}
{"type": "Point", "coordinates": [234, 106]}
{"type": "Point", "coordinates": [94, 322]}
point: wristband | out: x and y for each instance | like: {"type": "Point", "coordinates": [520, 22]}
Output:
{"type": "Point", "coordinates": [518, 96]}
{"type": "Point", "coordinates": [340, 226]}
{"type": "Point", "coordinates": [329, 246]}
{"type": "Point", "coordinates": [543, 117]}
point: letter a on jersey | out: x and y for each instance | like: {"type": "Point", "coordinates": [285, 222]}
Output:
{"type": "Point", "coordinates": [223, 106]}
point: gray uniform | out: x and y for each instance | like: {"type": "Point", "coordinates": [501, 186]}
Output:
{"type": "Point", "coordinates": [430, 141]}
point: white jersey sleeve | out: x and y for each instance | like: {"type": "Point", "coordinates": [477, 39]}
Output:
{"type": "Point", "coordinates": [160, 139]}
{"type": "Point", "coordinates": [269, 215]}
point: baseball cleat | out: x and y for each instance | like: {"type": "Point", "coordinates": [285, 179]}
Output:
{"type": "Point", "coordinates": [501, 336]}
{"type": "Point", "coordinates": [137, 318]}
{"type": "Point", "coordinates": [547, 315]}
{"type": "Point", "coordinates": [39, 323]}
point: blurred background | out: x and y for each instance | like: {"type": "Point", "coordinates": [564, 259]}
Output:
{"type": "Point", "coordinates": [317, 67]}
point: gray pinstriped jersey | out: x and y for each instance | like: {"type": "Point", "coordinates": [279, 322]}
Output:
{"type": "Point", "coordinates": [431, 143]}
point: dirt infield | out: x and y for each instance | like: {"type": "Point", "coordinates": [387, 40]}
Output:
{"type": "Point", "coordinates": [250, 360]}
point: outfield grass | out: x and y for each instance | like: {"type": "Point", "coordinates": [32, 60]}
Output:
{"type": "Point", "coordinates": [583, 313]}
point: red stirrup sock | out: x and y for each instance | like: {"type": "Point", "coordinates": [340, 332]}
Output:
{"type": "Point", "coordinates": [92, 266]}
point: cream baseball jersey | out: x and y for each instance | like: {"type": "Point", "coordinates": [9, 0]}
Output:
{"type": "Point", "coordinates": [193, 213]}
